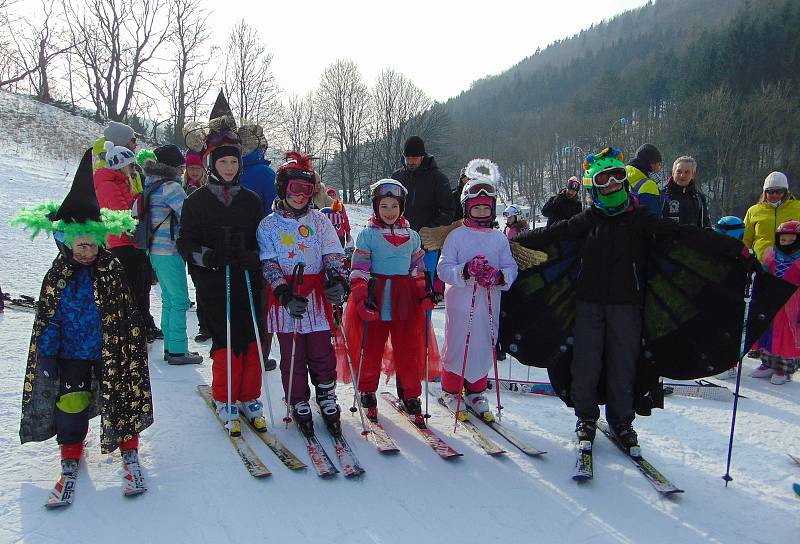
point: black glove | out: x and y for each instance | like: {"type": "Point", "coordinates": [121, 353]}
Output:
{"type": "Point", "coordinates": [294, 304]}
{"type": "Point", "coordinates": [248, 260]}
{"type": "Point", "coordinates": [465, 272]}
{"type": "Point", "coordinates": [48, 367]}
{"type": "Point", "coordinates": [216, 258]}
{"type": "Point", "coordinates": [335, 290]}
{"type": "Point", "coordinates": [749, 260]}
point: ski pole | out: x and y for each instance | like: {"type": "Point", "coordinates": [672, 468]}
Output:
{"type": "Point", "coordinates": [748, 297]}
{"type": "Point", "coordinates": [365, 430]}
{"type": "Point", "coordinates": [258, 343]}
{"type": "Point", "coordinates": [297, 278]}
{"type": "Point", "coordinates": [494, 356]}
{"type": "Point", "coordinates": [371, 305]}
{"type": "Point", "coordinates": [466, 352]}
{"type": "Point", "coordinates": [226, 236]}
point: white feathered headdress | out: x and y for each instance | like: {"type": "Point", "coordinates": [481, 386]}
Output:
{"type": "Point", "coordinates": [474, 167]}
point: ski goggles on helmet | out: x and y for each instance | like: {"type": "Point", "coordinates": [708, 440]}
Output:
{"type": "Point", "coordinates": [478, 189]}
{"type": "Point", "coordinates": [777, 191]}
{"type": "Point", "coordinates": [608, 177]}
{"type": "Point", "coordinates": [390, 189]}
{"type": "Point", "coordinates": [222, 137]}
{"type": "Point", "coordinates": [302, 187]}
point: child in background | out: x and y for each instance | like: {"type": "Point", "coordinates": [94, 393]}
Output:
{"type": "Point", "coordinates": [195, 175]}
{"type": "Point", "coordinates": [515, 223]}
{"type": "Point", "coordinates": [476, 264]}
{"type": "Point", "coordinates": [389, 253]}
{"type": "Point", "coordinates": [780, 345]}
{"type": "Point", "coordinates": [338, 216]}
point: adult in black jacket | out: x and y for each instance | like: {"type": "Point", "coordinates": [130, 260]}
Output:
{"type": "Point", "coordinates": [429, 202]}
{"type": "Point", "coordinates": [565, 204]}
{"type": "Point", "coordinates": [683, 201]}
{"type": "Point", "coordinates": [610, 293]}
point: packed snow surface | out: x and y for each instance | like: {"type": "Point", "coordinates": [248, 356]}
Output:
{"type": "Point", "coordinates": [200, 492]}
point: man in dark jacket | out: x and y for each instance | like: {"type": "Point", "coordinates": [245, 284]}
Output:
{"type": "Point", "coordinates": [429, 202]}
{"type": "Point", "coordinates": [683, 201]}
{"type": "Point", "coordinates": [565, 204]}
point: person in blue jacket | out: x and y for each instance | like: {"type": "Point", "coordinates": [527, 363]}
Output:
{"type": "Point", "coordinates": [258, 176]}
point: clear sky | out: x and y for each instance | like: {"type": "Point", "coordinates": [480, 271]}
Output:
{"type": "Point", "coordinates": [442, 45]}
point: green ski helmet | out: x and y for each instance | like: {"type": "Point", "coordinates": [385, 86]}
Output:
{"type": "Point", "coordinates": [607, 161]}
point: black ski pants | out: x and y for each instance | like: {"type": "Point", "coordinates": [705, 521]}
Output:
{"type": "Point", "coordinates": [610, 333]}
{"type": "Point", "coordinates": [139, 274]}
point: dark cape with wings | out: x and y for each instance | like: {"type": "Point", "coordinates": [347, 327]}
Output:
{"type": "Point", "coordinates": [693, 312]}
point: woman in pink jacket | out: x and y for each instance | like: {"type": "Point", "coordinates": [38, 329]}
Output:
{"type": "Point", "coordinates": [112, 184]}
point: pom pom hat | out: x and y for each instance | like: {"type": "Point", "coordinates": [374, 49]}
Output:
{"type": "Point", "coordinates": [118, 157]}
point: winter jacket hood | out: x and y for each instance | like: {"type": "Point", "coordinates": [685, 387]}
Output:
{"type": "Point", "coordinates": [159, 170]}
{"type": "Point", "coordinates": [259, 177]}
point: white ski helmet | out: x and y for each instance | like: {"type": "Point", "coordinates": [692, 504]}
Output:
{"type": "Point", "coordinates": [511, 211]}
{"type": "Point", "coordinates": [387, 187]}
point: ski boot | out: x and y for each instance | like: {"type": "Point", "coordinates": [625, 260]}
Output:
{"type": "Point", "coordinates": [478, 403]}
{"type": "Point", "coordinates": [133, 480]}
{"type": "Point", "coordinates": [413, 407]}
{"type": "Point", "coordinates": [270, 364]}
{"type": "Point", "coordinates": [154, 333]}
{"type": "Point", "coordinates": [232, 422]}
{"type": "Point", "coordinates": [451, 401]}
{"type": "Point", "coordinates": [763, 371]}
{"type": "Point", "coordinates": [780, 378]}
{"type": "Point", "coordinates": [627, 437]}
{"type": "Point", "coordinates": [254, 412]}
{"type": "Point", "coordinates": [586, 429]}
{"type": "Point", "coordinates": [202, 336]}
{"type": "Point", "coordinates": [188, 358]}
{"type": "Point", "coordinates": [370, 403]}
{"type": "Point", "coordinates": [326, 400]}
{"type": "Point", "coordinates": [301, 413]}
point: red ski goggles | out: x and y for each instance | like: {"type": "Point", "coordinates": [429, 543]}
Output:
{"type": "Point", "coordinates": [222, 137]}
{"type": "Point", "coordinates": [609, 177]}
{"type": "Point", "coordinates": [300, 187]}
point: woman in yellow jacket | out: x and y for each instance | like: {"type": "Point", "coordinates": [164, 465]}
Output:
{"type": "Point", "coordinates": [762, 220]}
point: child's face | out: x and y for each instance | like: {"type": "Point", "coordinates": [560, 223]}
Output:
{"type": "Point", "coordinates": [389, 210]}
{"type": "Point", "coordinates": [195, 172]}
{"type": "Point", "coordinates": [787, 239]}
{"type": "Point", "coordinates": [227, 167]}
{"type": "Point", "coordinates": [480, 211]}
{"type": "Point", "coordinates": [84, 250]}
{"type": "Point", "coordinates": [511, 219]}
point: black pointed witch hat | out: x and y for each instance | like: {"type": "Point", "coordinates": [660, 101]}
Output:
{"type": "Point", "coordinates": [81, 203]}
{"type": "Point", "coordinates": [221, 116]}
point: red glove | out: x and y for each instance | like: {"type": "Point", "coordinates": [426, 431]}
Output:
{"type": "Point", "coordinates": [358, 296]}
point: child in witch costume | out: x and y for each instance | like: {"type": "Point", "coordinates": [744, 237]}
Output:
{"type": "Point", "coordinates": [476, 265]}
{"type": "Point", "coordinates": [217, 232]}
{"type": "Point", "coordinates": [390, 254]}
{"type": "Point", "coordinates": [299, 311]}
{"type": "Point", "coordinates": [780, 345]}
{"type": "Point", "coordinates": [610, 291]}
{"type": "Point", "coordinates": [88, 351]}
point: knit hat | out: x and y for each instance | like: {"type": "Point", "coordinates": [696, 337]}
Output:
{"type": "Point", "coordinates": [574, 184]}
{"type": "Point", "coordinates": [193, 158]}
{"type": "Point", "coordinates": [776, 180]}
{"type": "Point", "coordinates": [170, 155]}
{"type": "Point", "coordinates": [414, 147]}
{"type": "Point", "coordinates": [166, 162]}
{"type": "Point", "coordinates": [118, 133]}
{"type": "Point", "coordinates": [649, 154]}
{"type": "Point", "coordinates": [118, 157]}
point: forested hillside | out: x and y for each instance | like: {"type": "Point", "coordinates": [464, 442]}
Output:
{"type": "Point", "coordinates": [715, 79]}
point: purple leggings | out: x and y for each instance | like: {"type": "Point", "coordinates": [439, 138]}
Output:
{"type": "Point", "coordinates": [314, 356]}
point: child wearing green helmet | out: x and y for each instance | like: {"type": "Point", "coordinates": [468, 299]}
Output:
{"type": "Point", "coordinates": [615, 235]}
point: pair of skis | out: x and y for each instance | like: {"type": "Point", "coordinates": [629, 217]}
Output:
{"type": "Point", "coordinates": [249, 458]}
{"type": "Point", "coordinates": [584, 467]}
{"type": "Point", "coordinates": [63, 493]}
{"type": "Point", "coordinates": [321, 461]}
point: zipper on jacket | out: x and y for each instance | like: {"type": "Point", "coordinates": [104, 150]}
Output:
{"type": "Point", "coordinates": [636, 277]}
